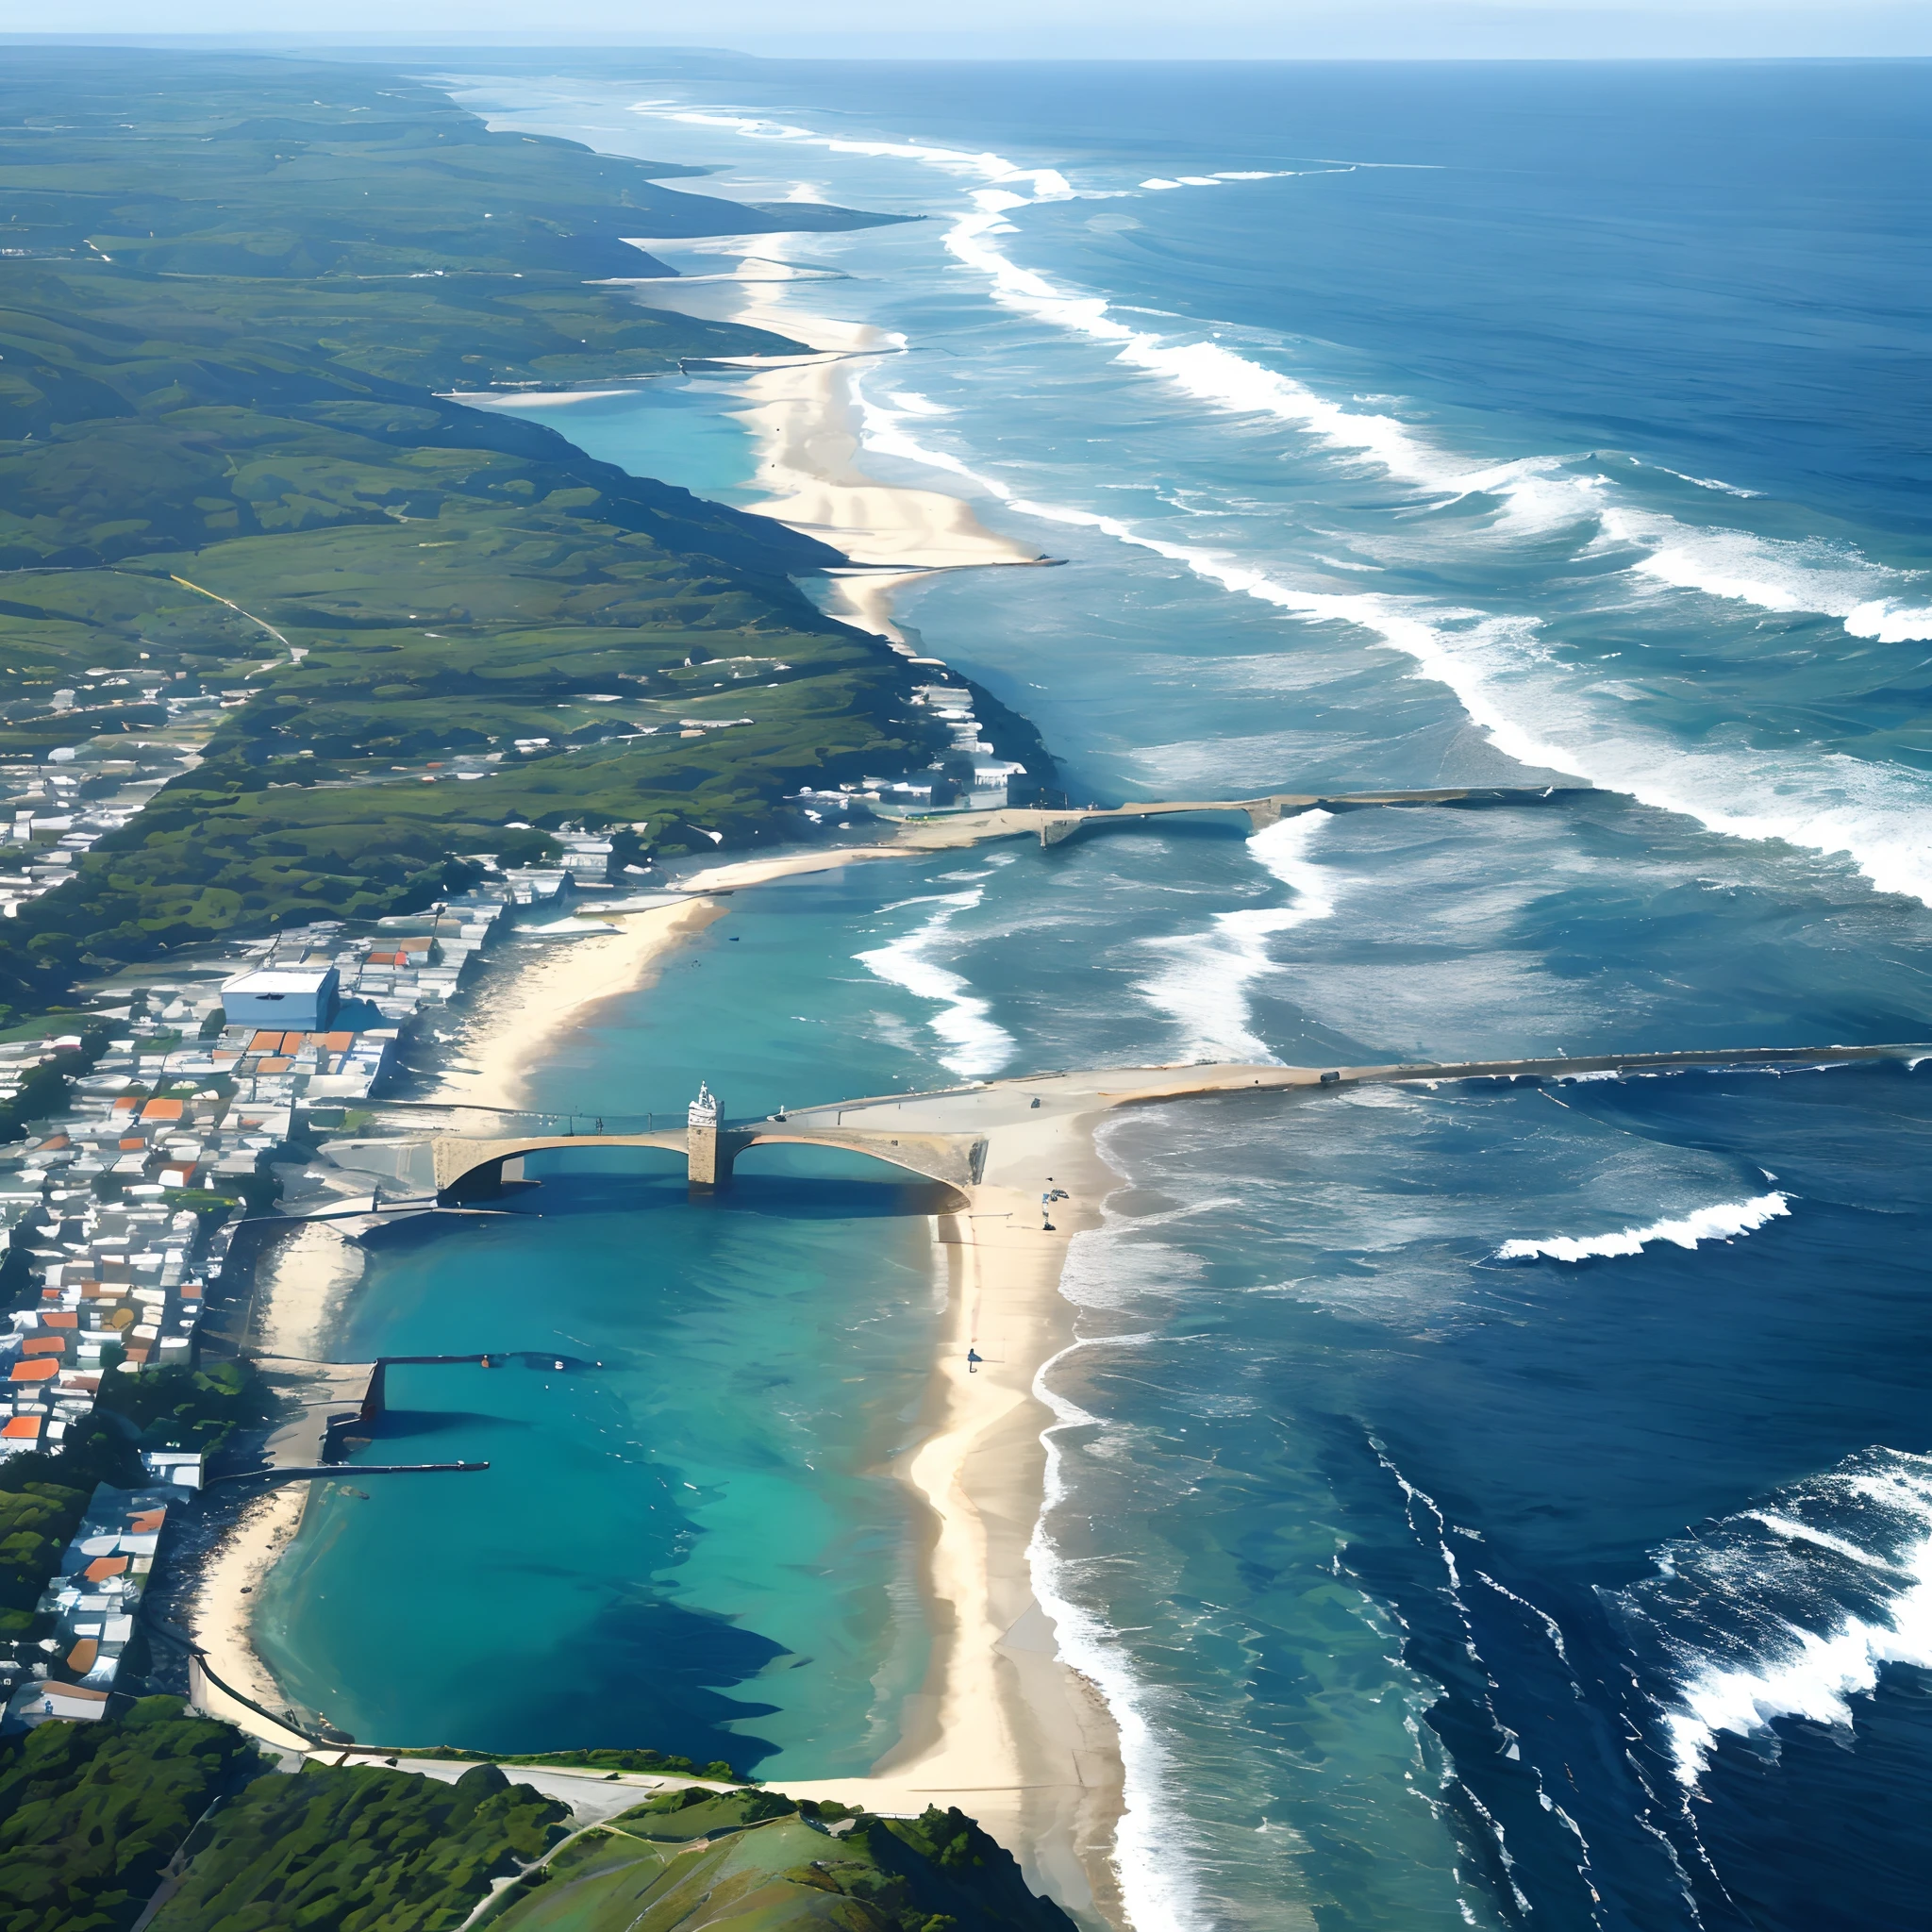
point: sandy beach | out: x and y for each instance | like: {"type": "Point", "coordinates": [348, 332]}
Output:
{"type": "Point", "coordinates": [1004, 1726]}
{"type": "Point", "coordinates": [807, 422]}
{"type": "Point", "coordinates": [221, 1616]}
{"type": "Point", "coordinates": [522, 1010]}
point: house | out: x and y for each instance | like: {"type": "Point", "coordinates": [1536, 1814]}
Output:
{"type": "Point", "coordinates": [35, 1704]}
{"type": "Point", "coordinates": [295, 999]}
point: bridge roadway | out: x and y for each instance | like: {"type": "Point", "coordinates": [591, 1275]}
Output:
{"type": "Point", "coordinates": [1056, 826]}
{"type": "Point", "coordinates": [945, 1136]}
{"type": "Point", "coordinates": [468, 1168]}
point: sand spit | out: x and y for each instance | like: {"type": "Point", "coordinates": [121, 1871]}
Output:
{"type": "Point", "coordinates": [808, 421]}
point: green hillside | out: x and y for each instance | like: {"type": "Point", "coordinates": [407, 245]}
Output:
{"type": "Point", "coordinates": [97, 1821]}
{"type": "Point", "coordinates": [231, 294]}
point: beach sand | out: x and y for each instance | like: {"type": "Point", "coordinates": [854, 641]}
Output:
{"type": "Point", "coordinates": [220, 1615]}
{"type": "Point", "coordinates": [911, 837]}
{"type": "Point", "coordinates": [807, 421]}
{"type": "Point", "coordinates": [301, 1285]}
{"type": "Point", "coordinates": [1003, 1727]}
{"type": "Point", "coordinates": [522, 1011]}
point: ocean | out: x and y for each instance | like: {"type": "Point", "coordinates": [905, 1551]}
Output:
{"type": "Point", "coordinates": [1486, 1505]}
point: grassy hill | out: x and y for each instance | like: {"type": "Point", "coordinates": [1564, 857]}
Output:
{"type": "Point", "coordinates": [93, 1817]}
{"type": "Point", "coordinates": [233, 292]}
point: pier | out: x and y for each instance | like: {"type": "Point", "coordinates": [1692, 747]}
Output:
{"type": "Point", "coordinates": [942, 1136]}
{"type": "Point", "coordinates": [325, 1403]}
{"type": "Point", "coordinates": [1055, 825]}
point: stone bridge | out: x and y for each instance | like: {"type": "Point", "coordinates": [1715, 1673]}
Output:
{"type": "Point", "coordinates": [470, 1170]}
{"type": "Point", "coordinates": [1057, 826]}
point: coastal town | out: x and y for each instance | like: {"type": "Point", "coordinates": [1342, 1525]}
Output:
{"type": "Point", "coordinates": [157, 1116]}
{"type": "Point", "coordinates": [183, 1102]}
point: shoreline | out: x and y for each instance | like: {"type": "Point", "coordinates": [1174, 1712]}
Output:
{"type": "Point", "coordinates": [1005, 1727]}
{"type": "Point", "coordinates": [807, 421]}
{"type": "Point", "coordinates": [1002, 1724]}
{"type": "Point", "coordinates": [532, 1003]}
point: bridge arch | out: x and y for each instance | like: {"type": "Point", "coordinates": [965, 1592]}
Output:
{"type": "Point", "coordinates": [468, 1170]}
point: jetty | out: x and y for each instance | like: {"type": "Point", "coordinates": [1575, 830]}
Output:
{"type": "Point", "coordinates": [324, 1404]}
{"type": "Point", "coordinates": [1054, 824]}
{"type": "Point", "coordinates": [942, 1135]}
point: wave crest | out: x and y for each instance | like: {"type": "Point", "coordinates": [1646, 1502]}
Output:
{"type": "Point", "coordinates": [1724, 1221]}
{"type": "Point", "coordinates": [1789, 1609]}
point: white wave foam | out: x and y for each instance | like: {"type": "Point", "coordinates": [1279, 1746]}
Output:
{"type": "Point", "coordinates": [1204, 986]}
{"type": "Point", "coordinates": [1877, 815]}
{"type": "Point", "coordinates": [977, 1046]}
{"type": "Point", "coordinates": [1156, 1882]}
{"type": "Point", "coordinates": [1775, 573]}
{"type": "Point", "coordinates": [1798, 1636]}
{"type": "Point", "coordinates": [1722, 1222]}
{"type": "Point", "coordinates": [1716, 483]}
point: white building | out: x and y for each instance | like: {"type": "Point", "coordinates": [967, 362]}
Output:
{"type": "Point", "coordinates": [298, 999]}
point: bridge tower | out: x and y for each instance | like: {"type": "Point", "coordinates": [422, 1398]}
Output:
{"type": "Point", "coordinates": [701, 1140]}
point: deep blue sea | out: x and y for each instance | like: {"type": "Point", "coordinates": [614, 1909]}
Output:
{"type": "Point", "coordinates": [1489, 1504]}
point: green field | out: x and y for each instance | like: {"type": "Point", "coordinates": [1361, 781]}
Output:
{"type": "Point", "coordinates": [231, 291]}
{"type": "Point", "coordinates": [755, 1862]}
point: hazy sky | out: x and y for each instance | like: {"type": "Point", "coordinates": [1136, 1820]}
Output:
{"type": "Point", "coordinates": [1432, 29]}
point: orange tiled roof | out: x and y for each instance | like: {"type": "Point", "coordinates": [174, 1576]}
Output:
{"type": "Point", "coordinates": [104, 1567]}
{"type": "Point", "coordinates": [22, 1428]}
{"type": "Point", "coordinates": [162, 1110]}
{"type": "Point", "coordinates": [40, 1370]}
{"type": "Point", "coordinates": [81, 1657]}
{"type": "Point", "coordinates": [146, 1522]}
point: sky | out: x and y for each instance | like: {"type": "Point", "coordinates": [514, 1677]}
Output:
{"type": "Point", "coordinates": [1156, 29]}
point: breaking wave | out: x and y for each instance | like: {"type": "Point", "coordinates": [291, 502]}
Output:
{"type": "Point", "coordinates": [1725, 1220]}
{"type": "Point", "coordinates": [1499, 669]}
{"type": "Point", "coordinates": [975, 1046]}
{"type": "Point", "coordinates": [1775, 573]}
{"type": "Point", "coordinates": [1205, 984]}
{"type": "Point", "coordinates": [1789, 1609]}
